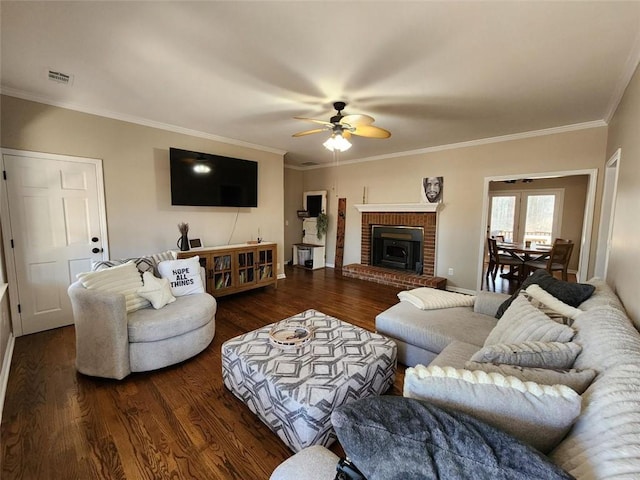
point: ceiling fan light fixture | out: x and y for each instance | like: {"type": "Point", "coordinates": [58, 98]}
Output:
{"type": "Point", "coordinates": [337, 142]}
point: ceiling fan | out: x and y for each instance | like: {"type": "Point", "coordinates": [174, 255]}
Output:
{"type": "Point", "coordinates": [343, 126]}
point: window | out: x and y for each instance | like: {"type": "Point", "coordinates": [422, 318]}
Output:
{"type": "Point", "coordinates": [534, 215]}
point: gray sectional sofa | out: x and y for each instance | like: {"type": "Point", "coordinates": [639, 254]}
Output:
{"type": "Point", "coordinates": [603, 441]}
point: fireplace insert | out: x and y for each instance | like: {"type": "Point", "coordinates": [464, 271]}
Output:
{"type": "Point", "coordinates": [397, 247]}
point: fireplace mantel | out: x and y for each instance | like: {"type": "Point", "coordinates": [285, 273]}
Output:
{"type": "Point", "coordinates": [398, 207]}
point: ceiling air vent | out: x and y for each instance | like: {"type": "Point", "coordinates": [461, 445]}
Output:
{"type": "Point", "coordinates": [60, 77]}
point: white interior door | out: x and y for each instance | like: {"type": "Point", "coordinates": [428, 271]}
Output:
{"type": "Point", "coordinates": [55, 208]}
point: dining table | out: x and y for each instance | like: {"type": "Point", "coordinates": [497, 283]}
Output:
{"type": "Point", "coordinates": [523, 252]}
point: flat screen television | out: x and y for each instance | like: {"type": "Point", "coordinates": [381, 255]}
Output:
{"type": "Point", "coordinates": [203, 179]}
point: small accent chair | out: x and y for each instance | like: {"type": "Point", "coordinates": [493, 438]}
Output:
{"type": "Point", "coordinates": [112, 343]}
{"type": "Point", "coordinates": [558, 259]}
{"type": "Point", "coordinates": [496, 260]}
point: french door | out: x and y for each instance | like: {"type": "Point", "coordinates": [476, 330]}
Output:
{"type": "Point", "coordinates": [533, 215]}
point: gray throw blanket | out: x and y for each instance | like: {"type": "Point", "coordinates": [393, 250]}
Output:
{"type": "Point", "coordinates": [391, 437]}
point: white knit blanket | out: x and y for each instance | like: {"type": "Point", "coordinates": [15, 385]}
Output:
{"type": "Point", "coordinates": [426, 298]}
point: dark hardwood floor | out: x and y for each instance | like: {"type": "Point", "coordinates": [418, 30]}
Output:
{"type": "Point", "coordinates": [506, 285]}
{"type": "Point", "coordinates": [179, 422]}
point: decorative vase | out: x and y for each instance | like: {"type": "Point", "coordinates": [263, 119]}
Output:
{"type": "Point", "coordinates": [183, 243]}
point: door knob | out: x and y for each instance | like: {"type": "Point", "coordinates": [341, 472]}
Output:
{"type": "Point", "coordinates": [95, 239]}
{"type": "Point", "coordinates": [96, 250]}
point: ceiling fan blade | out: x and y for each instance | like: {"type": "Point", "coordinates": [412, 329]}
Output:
{"type": "Point", "coordinates": [346, 134]}
{"type": "Point", "coordinates": [357, 119]}
{"type": "Point", "coordinates": [321, 122]}
{"type": "Point", "coordinates": [371, 131]}
{"type": "Point", "coordinates": [309, 132]}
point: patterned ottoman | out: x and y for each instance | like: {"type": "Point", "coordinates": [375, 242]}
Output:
{"type": "Point", "coordinates": [294, 391]}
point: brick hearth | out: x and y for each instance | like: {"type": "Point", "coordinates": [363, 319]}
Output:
{"type": "Point", "coordinates": [364, 270]}
{"type": "Point", "coordinates": [396, 278]}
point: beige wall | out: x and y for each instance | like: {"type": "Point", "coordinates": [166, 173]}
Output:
{"type": "Point", "coordinates": [624, 262]}
{"type": "Point", "coordinates": [140, 217]}
{"type": "Point", "coordinates": [397, 180]}
{"type": "Point", "coordinates": [575, 196]}
{"type": "Point", "coordinates": [293, 190]}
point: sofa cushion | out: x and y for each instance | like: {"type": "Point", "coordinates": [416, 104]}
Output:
{"type": "Point", "coordinates": [311, 463]}
{"type": "Point", "coordinates": [577, 380]}
{"type": "Point", "coordinates": [184, 315]}
{"type": "Point", "coordinates": [607, 338]}
{"type": "Point", "coordinates": [604, 442]}
{"type": "Point", "coordinates": [539, 415]}
{"type": "Point", "coordinates": [530, 354]}
{"type": "Point", "coordinates": [456, 355]}
{"type": "Point", "coordinates": [398, 438]}
{"type": "Point", "coordinates": [522, 322]}
{"type": "Point", "coordinates": [433, 330]}
{"type": "Point", "coordinates": [603, 296]}
{"type": "Point", "coordinates": [570, 293]}
{"type": "Point", "coordinates": [183, 275]}
{"type": "Point", "coordinates": [156, 290]}
{"type": "Point", "coordinates": [122, 279]}
{"type": "Point", "coordinates": [488, 303]}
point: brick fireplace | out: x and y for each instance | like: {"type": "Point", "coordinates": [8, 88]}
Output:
{"type": "Point", "coordinates": [381, 215]}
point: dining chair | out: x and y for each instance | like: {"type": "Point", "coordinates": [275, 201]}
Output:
{"type": "Point", "coordinates": [496, 260]}
{"type": "Point", "coordinates": [500, 238]}
{"type": "Point", "coordinates": [558, 260]}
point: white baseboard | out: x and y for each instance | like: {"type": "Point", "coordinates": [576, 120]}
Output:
{"type": "Point", "coordinates": [4, 373]}
{"type": "Point", "coordinates": [281, 276]}
{"type": "Point", "coordinates": [466, 291]}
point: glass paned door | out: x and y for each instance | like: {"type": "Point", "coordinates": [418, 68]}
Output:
{"type": "Point", "coordinates": [539, 218]}
{"type": "Point", "coordinates": [519, 216]}
{"type": "Point", "coordinates": [502, 218]}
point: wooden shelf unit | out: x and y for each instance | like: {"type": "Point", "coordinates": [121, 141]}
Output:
{"type": "Point", "coordinates": [236, 268]}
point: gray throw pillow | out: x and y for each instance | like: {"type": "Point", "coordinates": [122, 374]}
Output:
{"type": "Point", "coordinates": [577, 380]}
{"type": "Point", "coordinates": [523, 322]}
{"type": "Point", "coordinates": [570, 293]}
{"type": "Point", "coordinates": [530, 354]}
{"type": "Point", "coordinates": [396, 438]}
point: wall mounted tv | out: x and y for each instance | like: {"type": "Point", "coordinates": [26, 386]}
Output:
{"type": "Point", "coordinates": [203, 179]}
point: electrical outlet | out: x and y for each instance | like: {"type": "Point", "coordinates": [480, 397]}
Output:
{"type": "Point", "coordinates": [450, 271]}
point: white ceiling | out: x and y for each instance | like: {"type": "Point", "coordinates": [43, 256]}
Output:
{"type": "Point", "coordinates": [433, 73]}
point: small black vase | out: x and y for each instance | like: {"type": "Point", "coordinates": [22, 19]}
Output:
{"type": "Point", "coordinates": [183, 243]}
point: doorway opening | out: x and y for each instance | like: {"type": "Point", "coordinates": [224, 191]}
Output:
{"type": "Point", "coordinates": [582, 236]}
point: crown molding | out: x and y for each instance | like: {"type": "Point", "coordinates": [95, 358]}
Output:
{"type": "Point", "coordinates": [11, 92]}
{"type": "Point", "coordinates": [472, 143]}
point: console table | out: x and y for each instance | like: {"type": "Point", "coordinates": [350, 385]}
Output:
{"type": "Point", "coordinates": [236, 268]}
